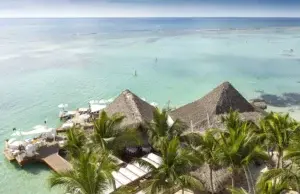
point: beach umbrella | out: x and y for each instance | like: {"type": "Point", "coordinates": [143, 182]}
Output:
{"type": "Point", "coordinates": [17, 133]}
{"type": "Point", "coordinates": [93, 102]}
{"type": "Point", "coordinates": [62, 105]}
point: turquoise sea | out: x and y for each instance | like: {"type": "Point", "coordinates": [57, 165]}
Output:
{"type": "Point", "coordinates": [45, 62]}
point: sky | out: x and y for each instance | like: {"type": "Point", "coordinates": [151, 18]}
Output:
{"type": "Point", "coordinates": [149, 8]}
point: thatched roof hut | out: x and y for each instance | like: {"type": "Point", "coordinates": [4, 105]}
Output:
{"type": "Point", "coordinates": [136, 110]}
{"type": "Point", "coordinates": [221, 178]}
{"type": "Point", "coordinates": [206, 111]}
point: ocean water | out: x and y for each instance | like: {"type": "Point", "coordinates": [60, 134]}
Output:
{"type": "Point", "coordinates": [45, 62]}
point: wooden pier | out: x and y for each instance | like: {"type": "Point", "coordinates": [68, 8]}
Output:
{"type": "Point", "coordinates": [57, 163]}
{"type": "Point", "coordinates": [49, 155]}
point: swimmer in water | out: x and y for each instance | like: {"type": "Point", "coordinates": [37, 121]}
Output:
{"type": "Point", "coordinates": [135, 73]}
{"type": "Point", "coordinates": [155, 60]}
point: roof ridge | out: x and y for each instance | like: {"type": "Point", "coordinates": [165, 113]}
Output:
{"type": "Point", "coordinates": [129, 98]}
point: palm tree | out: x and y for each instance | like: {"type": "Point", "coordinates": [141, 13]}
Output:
{"type": "Point", "coordinates": [76, 141]}
{"type": "Point", "coordinates": [160, 128]}
{"type": "Point", "coordinates": [110, 135]}
{"type": "Point", "coordinates": [91, 174]}
{"type": "Point", "coordinates": [275, 181]}
{"type": "Point", "coordinates": [276, 130]}
{"type": "Point", "coordinates": [206, 148]}
{"type": "Point", "coordinates": [239, 148]}
{"type": "Point", "coordinates": [174, 172]}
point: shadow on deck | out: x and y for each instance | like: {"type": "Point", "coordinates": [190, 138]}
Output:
{"type": "Point", "coordinates": [49, 155]}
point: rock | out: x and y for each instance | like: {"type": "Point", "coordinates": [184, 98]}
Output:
{"type": "Point", "coordinates": [260, 103]}
{"type": "Point", "coordinates": [257, 100]}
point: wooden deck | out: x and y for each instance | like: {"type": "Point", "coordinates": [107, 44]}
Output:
{"type": "Point", "coordinates": [50, 156]}
{"type": "Point", "coordinates": [57, 163]}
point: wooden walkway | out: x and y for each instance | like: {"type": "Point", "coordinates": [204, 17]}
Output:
{"type": "Point", "coordinates": [50, 156]}
{"type": "Point", "coordinates": [57, 163]}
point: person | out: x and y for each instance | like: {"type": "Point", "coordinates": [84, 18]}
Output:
{"type": "Point", "coordinates": [135, 73]}
{"type": "Point", "coordinates": [156, 60]}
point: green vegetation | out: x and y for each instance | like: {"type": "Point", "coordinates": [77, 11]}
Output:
{"type": "Point", "coordinates": [174, 172]}
{"type": "Point", "coordinates": [273, 141]}
{"type": "Point", "coordinates": [158, 129]}
{"type": "Point", "coordinates": [76, 142]}
{"type": "Point", "coordinates": [109, 134]}
{"type": "Point", "coordinates": [91, 174]}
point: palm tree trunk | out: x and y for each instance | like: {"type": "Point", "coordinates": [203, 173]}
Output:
{"type": "Point", "coordinates": [278, 159]}
{"type": "Point", "coordinates": [281, 161]}
{"type": "Point", "coordinates": [251, 180]}
{"type": "Point", "coordinates": [211, 180]}
{"type": "Point", "coordinates": [248, 179]}
{"type": "Point", "coordinates": [182, 190]}
{"type": "Point", "coordinates": [232, 178]}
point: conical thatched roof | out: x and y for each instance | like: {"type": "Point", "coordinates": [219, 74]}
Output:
{"type": "Point", "coordinates": [219, 101]}
{"type": "Point", "coordinates": [136, 110]}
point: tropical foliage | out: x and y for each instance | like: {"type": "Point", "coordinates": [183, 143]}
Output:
{"type": "Point", "coordinates": [240, 148]}
{"type": "Point", "coordinates": [207, 149]}
{"type": "Point", "coordinates": [161, 129]}
{"type": "Point", "coordinates": [91, 174]}
{"type": "Point", "coordinates": [174, 172]}
{"type": "Point", "coordinates": [235, 148]}
{"type": "Point", "coordinates": [76, 142]}
{"type": "Point", "coordinates": [110, 135]}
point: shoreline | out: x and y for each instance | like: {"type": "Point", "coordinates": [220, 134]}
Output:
{"type": "Point", "coordinates": [294, 111]}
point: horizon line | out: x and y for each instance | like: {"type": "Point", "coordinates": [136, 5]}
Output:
{"type": "Point", "coordinates": [136, 17]}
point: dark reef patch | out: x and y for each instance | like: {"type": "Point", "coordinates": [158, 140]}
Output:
{"type": "Point", "coordinates": [284, 100]}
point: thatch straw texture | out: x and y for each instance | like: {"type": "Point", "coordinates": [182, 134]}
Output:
{"type": "Point", "coordinates": [202, 113]}
{"type": "Point", "coordinates": [136, 110]}
{"type": "Point", "coordinates": [221, 178]}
